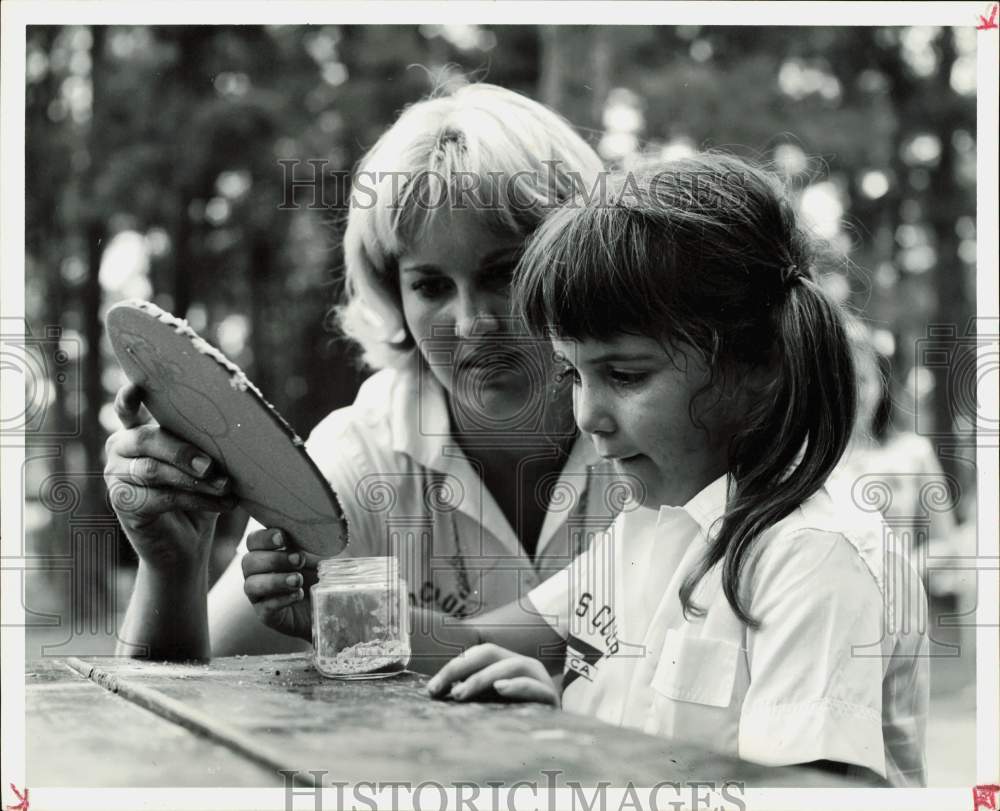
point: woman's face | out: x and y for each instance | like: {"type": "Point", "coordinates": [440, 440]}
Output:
{"type": "Point", "coordinates": [455, 288]}
{"type": "Point", "coordinates": [633, 400]}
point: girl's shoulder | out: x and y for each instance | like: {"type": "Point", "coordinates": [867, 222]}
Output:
{"type": "Point", "coordinates": [827, 531]}
{"type": "Point", "coordinates": [833, 510]}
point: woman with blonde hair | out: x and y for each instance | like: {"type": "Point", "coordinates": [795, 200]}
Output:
{"type": "Point", "coordinates": [459, 455]}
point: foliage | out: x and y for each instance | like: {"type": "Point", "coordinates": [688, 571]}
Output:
{"type": "Point", "coordinates": [176, 133]}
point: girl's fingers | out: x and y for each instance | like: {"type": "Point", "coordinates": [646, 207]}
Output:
{"type": "Point", "coordinates": [267, 609]}
{"type": "Point", "coordinates": [466, 663]}
{"type": "Point", "coordinates": [262, 587]}
{"type": "Point", "coordinates": [509, 667]}
{"type": "Point", "coordinates": [478, 659]}
{"type": "Point", "coordinates": [266, 562]}
{"type": "Point", "coordinates": [525, 688]}
{"type": "Point", "coordinates": [150, 472]}
{"type": "Point", "coordinates": [153, 441]}
{"type": "Point", "coordinates": [148, 502]}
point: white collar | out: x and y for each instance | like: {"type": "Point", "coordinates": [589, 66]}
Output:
{"type": "Point", "coordinates": [421, 424]}
{"type": "Point", "coordinates": [706, 507]}
{"type": "Point", "coordinates": [421, 429]}
{"type": "Point", "coordinates": [418, 412]}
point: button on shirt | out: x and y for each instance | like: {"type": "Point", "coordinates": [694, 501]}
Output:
{"type": "Point", "coordinates": [407, 489]}
{"type": "Point", "coordinates": [833, 672]}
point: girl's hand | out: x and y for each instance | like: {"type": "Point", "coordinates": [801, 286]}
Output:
{"type": "Point", "coordinates": [482, 668]}
{"type": "Point", "coordinates": [277, 582]}
{"type": "Point", "coordinates": [167, 493]}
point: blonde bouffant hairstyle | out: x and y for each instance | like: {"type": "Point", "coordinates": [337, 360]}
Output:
{"type": "Point", "coordinates": [479, 146]}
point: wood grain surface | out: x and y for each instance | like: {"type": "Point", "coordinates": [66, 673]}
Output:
{"type": "Point", "coordinates": [248, 717]}
{"type": "Point", "coordinates": [78, 734]}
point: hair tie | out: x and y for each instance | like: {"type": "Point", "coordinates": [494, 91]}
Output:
{"type": "Point", "coordinates": [790, 275]}
{"type": "Point", "coordinates": [451, 136]}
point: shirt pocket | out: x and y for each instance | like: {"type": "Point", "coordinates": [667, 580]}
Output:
{"type": "Point", "coordinates": [697, 670]}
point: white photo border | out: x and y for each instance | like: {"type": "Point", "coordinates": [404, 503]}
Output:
{"type": "Point", "coordinates": [17, 14]}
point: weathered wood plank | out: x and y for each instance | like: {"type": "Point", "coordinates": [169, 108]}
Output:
{"type": "Point", "coordinates": [279, 711]}
{"type": "Point", "coordinates": [78, 734]}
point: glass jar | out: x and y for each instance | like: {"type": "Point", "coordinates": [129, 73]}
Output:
{"type": "Point", "coordinates": [361, 627]}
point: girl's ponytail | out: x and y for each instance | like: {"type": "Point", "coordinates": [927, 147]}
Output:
{"type": "Point", "coordinates": [819, 382]}
{"type": "Point", "coordinates": [794, 436]}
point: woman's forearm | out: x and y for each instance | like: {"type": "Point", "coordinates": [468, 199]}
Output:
{"type": "Point", "coordinates": [167, 617]}
{"type": "Point", "coordinates": [436, 638]}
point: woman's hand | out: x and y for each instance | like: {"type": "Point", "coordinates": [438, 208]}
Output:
{"type": "Point", "coordinates": [277, 582]}
{"type": "Point", "coordinates": [488, 667]}
{"type": "Point", "coordinates": [166, 492]}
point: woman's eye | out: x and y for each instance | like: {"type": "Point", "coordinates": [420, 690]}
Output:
{"type": "Point", "coordinates": [625, 379]}
{"type": "Point", "coordinates": [500, 276]}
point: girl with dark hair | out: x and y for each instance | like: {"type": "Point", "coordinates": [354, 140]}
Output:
{"type": "Point", "coordinates": [735, 603]}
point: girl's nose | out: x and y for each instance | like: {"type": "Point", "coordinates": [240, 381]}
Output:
{"type": "Point", "coordinates": [591, 412]}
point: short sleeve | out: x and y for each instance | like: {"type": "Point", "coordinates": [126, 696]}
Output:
{"type": "Point", "coordinates": [556, 598]}
{"type": "Point", "coordinates": [551, 600]}
{"type": "Point", "coordinates": [346, 452]}
{"type": "Point", "coordinates": [815, 662]}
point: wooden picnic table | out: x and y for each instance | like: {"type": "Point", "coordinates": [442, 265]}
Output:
{"type": "Point", "coordinates": [239, 721]}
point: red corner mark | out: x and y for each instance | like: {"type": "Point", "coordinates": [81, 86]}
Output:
{"type": "Point", "coordinates": [21, 806]}
{"type": "Point", "coordinates": [986, 25]}
{"type": "Point", "coordinates": [982, 796]}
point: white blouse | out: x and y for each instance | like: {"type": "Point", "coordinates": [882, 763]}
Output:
{"type": "Point", "coordinates": [832, 673]}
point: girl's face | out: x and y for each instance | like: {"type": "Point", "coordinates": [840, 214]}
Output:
{"type": "Point", "coordinates": [633, 399]}
{"type": "Point", "coordinates": [455, 288]}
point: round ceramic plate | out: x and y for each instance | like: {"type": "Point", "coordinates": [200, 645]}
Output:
{"type": "Point", "coordinates": [198, 394]}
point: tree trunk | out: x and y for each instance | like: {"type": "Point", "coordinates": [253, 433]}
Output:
{"type": "Point", "coordinates": [90, 574]}
{"type": "Point", "coordinates": [601, 68]}
{"type": "Point", "coordinates": [954, 394]}
{"type": "Point", "coordinates": [552, 77]}
{"type": "Point", "coordinates": [260, 268]}
{"type": "Point", "coordinates": [180, 287]}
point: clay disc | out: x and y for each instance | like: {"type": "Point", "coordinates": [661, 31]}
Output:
{"type": "Point", "coordinates": [198, 394]}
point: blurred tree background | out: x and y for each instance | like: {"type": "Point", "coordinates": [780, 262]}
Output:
{"type": "Point", "coordinates": [153, 171]}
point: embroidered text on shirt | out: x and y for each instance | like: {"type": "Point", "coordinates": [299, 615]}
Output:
{"type": "Point", "coordinates": [603, 621]}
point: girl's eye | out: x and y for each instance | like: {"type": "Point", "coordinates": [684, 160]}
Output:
{"type": "Point", "coordinates": [430, 288]}
{"type": "Point", "coordinates": [624, 379]}
{"type": "Point", "coordinates": [570, 372]}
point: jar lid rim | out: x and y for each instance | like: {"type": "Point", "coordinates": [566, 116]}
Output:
{"type": "Point", "coordinates": [384, 564]}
